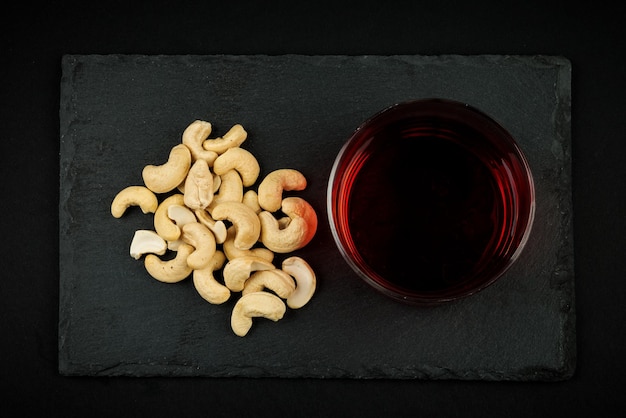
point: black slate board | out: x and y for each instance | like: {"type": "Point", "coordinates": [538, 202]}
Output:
{"type": "Point", "coordinates": [121, 112]}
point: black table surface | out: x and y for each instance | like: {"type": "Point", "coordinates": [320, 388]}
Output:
{"type": "Point", "coordinates": [36, 37]}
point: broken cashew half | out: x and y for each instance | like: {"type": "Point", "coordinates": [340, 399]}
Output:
{"type": "Point", "coordinates": [296, 234]}
{"type": "Point", "coordinates": [134, 196]}
{"type": "Point", "coordinates": [166, 177]}
{"type": "Point", "coordinates": [271, 188]}
{"type": "Point", "coordinates": [147, 242]}
{"type": "Point", "coordinates": [306, 282]}
{"type": "Point", "coordinates": [255, 305]}
{"type": "Point", "coordinates": [207, 285]}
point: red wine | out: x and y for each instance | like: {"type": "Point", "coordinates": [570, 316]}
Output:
{"type": "Point", "coordinates": [431, 206]}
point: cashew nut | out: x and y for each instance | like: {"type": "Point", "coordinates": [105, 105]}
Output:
{"type": "Point", "coordinates": [296, 234]}
{"type": "Point", "coordinates": [271, 188]}
{"type": "Point", "coordinates": [304, 275]}
{"type": "Point", "coordinates": [231, 188]}
{"type": "Point", "coordinates": [232, 251]}
{"type": "Point", "coordinates": [144, 242]}
{"type": "Point", "coordinates": [244, 219]}
{"type": "Point", "coordinates": [217, 227]}
{"type": "Point", "coordinates": [231, 139]}
{"type": "Point", "coordinates": [240, 160]}
{"type": "Point", "coordinates": [166, 177]}
{"type": "Point", "coordinates": [199, 186]}
{"type": "Point", "coordinates": [199, 236]}
{"type": "Point", "coordinates": [170, 271]}
{"type": "Point", "coordinates": [278, 281]}
{"type": "Point", "coordinates": [238, 270]}
{"type": "Point", "coordinates": [193, 136]}
{"type": "Point", "coordinates": [163, 225]}
{"type": "Point", "coordinates": [251, 199]}
{"type": "Point", "coordinates": [205, 283]}
{"type": "Point", "coordinates": [258, 304]}
{"type": "Point", "coordinates": [181, 215]}
{"type": "Point", "coordinates": [134, 196]}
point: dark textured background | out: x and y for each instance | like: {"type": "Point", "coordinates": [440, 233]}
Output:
{"type": "Point", "coordinates": [35, 36]}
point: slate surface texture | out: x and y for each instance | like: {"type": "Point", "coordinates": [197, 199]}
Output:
{"type": "Point", "coordinates": [119, 113]}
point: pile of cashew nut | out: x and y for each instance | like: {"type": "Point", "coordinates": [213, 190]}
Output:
{"type": "Point", "coordinates": [214, 220]}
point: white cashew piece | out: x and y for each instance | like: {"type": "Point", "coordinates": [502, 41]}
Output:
{"type": "Point", "coordinates": [254, 305]}
{"type": "Point", "coordinates": [199, 186]}
{"type": "Point", "coordinates": [147, 242]}
{"type": "Point", "coordinates": [231, 139]}
{"type": "Point", "coordinates": [278, 281]}
{"type": "Point", "coordinates": [203, 241]}
{"type": "Point", "coordinates": [270, 190]}
{"type": "Point", "coordinates": [240, 160]}
{"type": "Point", "coordinates": [238, 270]}
{"type": "Point", "coordinates": [299, 231]}
{"type": "Point", "coordinates": [205, 283]}
{"type": "Point", "coordinates": [134, 196]}
{"type": "Point", "coordinates": [217, 227]}
{"type": "Point", "coordinates": [233, 252]}
{"type": "Point", "coordinates": [193, 137]}
{"type": "Point", "coordinates": [166, 177]}
{"type": "Point", "coordinates": [170, 271]}
{"type": "Point", "coordinates": [246, 222]}
{"type": "Point", "coordinates": [304, 275]}
{"type": "Point", "coordinates": [163, 225]}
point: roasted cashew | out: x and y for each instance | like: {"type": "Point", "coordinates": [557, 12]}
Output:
{"type": "Point", "coordinates": [163, 225]}
{"type": "Point", "coordinates": [278, 281]}
{"type": "Point", "coordinates": [306, 282]}
{"type": "Point", "coordinates": [238, 270]}
{"type": "Point", "coordinates": [166, 177]}
{"type": "Point", "coordinates": [244, 219]}
{"type": "Point", "coordinates": [232, 251]}
{"type": "Point", "coordinates": [205, 283]}
{"type": "Point", "coordinates": [193, 137]}
{"type": "Point", "coordinates": [147, 242]}
{"type": "Point", "coordinates": [296, 234]}
{"type": "Point", "coordinates": [203, 241]}
{"type": "Point", "coordinates": [240, 160]}
{"type": "Point", "coordinates": [258, 304]}
{"type": "Point", "coordinates": [217, 227]}
{"type": "Point", "coordinates": [199, 186]}
{"type": "Point", "coordinates": [231, 139]}
{"type": "Point", "coordinates": [134, 196]}
{"type": "Point", "coordinates": [231, 188]}
{"type": "Point", "coordinates": [170, 271]}
{"type": "Point", "coordinates": [270, 190]}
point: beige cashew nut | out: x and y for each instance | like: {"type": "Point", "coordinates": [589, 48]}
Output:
{"type": "Point", "coordinates": [231, 139]}
{"type": "Point", "coordinates": [170, 271]}
{"type": "Point", "coordinates": [271, 189]}
{"type": "Point", "coordinates": [296, 234]}
{"type": "Point", "coordinates": [134, 196]}
{"type": "Point", "coordinates": [231, 188]}
{"type": "Point", "coordinates": [304, 275]}
{"type": "Point", "coordinates": [198, 190]}
{"type": "Point", "coordinates": [246, 222]}
{"type": "Point", "coordinates": [163, 225]}
{"type": "Point", "coordinates": [278, 281]}
{"type": "Point", "coordinates": [203, 241]}
{"type": "Point", "coordinates": [238, 270]}
{"type": "Point", "coordinates": [255, 305]}
{"type": "Point", "coordinates": [166, 177]}
{"type": "Point", "coordinates": [240, 160]}
{"type": "Point", "coordinates": [193, 137]}
{"type": "Point", "coordinates": [233, 252]}
{"type": "Point", "coordinates": [217, 227]}
{"type": "Point", "coordinates": [207, 285]}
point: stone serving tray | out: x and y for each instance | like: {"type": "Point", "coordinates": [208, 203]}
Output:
{"type": "Point", "coordinates": [119, 113]}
